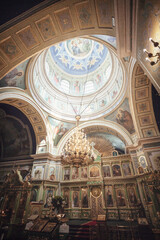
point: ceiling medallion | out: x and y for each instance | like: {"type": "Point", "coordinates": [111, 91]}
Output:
{"type": "Point", "coordinates": [77, 150]}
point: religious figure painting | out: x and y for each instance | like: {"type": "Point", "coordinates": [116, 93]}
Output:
{"type": "Point", "coordinates": [15, 78]}
{"type": "Point", "coordinates": [120, 194]}
{"type": "Point", "coordinates": [123, 116]}
{"type": "Point", "coordinates": [75, 199]}
{"type": "Point", "coordinates": [126, 169]}
{"type": "Point", "coordinates": [106, 171]}
{"type": "Point", "coordinates": [116, 170]}
{"type": "Point", "coordinates": [94, 172]}
{"type": "Point", "coordinates": [109, 196]}
{"type": "Point", "coordinates": [84, 198]}
{"type": "Point", "coordinates": [155, 159]}
{"type": "Point", "coordinates": [48, 198]}
{"type": "Point", "coordinates": [33, 195]}
{"type": "Point", "coordinates": [66, 174]}
{"type": "Point", "coordinates": [16, 138]}
{"type": "Point", "coordinates": [84, 173]}
{"type": "Point", "coordinates": [66, 197]}
{"type": "Point", "coordinates": [38, 172]}
{"type": "Point", "coordinates": [147, 194]}
{"type": "Point", "coordinates": [75, 173]}
{"type": "Point", "coordinates": [52, 174]}
{"type": "Point", "coordinates": [132, 197]}
{"type": "Point", "coordinates": [59, 129]}
{"type": "Point", "coordinates": [140, 170]}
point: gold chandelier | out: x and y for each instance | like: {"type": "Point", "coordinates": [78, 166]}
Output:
{"type": "Point", "coordinates": [151, 55]}
{"type": "Point", "coordinates": [77, 150]}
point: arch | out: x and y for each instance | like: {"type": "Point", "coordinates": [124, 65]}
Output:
{"type": "Point", "coordinates": [48, 26]}
{"type": "Point", "coordinates": [31, 110]}
{"type": "Point", "coordinates": [111, 126]}
{"type": "Point", "coordinates": [142, 103]}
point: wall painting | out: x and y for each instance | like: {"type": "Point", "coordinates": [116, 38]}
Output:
{"type": "Point", "coordinates": [120, 194]}
{"type": "Point", "coordinates": [59, 128]}
{"type": "Point", "coordinates": [109, 196]}
{"type": "Point", "coordinates": [126, 169]}
{"type": "Point", "coordinates": [94, 172]}
{"type": "Point", "coordinates": [16, 77]}
{"type": "Point", "coordinates": [75, 199]}
{"type": "Point", "coordinates": [84, 198]}
{"type": "Point", "coordinates": [106, 171]}
{"type": "Point", "coordinates": [66, 174]}
{"type": "Point", "coordinates": [123, 116]}
{"type": "Point", "coordinates": [116, 170]}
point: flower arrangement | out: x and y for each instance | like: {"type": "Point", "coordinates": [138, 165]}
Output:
{"type": "Point", "coordinates": [58, 203]}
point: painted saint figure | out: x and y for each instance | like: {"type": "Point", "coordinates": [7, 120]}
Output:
{"type": "Point", "coordinates": [120, 199]}
{"type": "Point", "coordinates": [84, 199]}
{"type": "Point", "coordinates": [12, 76]}
{"type": "Point", "coordinates": [75, 199]}
{"type": "Point", "coordinates": [124, 118]}
{"type": "Point", "coordinates": [109, 198]}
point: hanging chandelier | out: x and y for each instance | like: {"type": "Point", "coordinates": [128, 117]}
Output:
{"type": "Point", "coordinates": [77, 150]}
{"type": "Point", "coordinates": [156, 57]}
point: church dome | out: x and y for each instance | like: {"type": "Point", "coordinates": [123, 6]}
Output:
{"type": "Point", "coordinates": [77, 76]}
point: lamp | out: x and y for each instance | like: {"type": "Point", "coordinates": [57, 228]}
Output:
{"type": "Point", "coordinates": [151, 55]}
{"type": "Point", "coordinates": [77, 150]}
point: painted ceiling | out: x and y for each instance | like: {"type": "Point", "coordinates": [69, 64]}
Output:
{"type": "Point", "coordinates": [78, 76]}
{"type": "Point", "coordinates": [78, 66]}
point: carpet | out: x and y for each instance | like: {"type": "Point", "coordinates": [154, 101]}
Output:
{"type": "Point", "coordinates": [90, 223]}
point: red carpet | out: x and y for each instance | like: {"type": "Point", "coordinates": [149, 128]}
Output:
{"type": "Point", "coordinates": [90, 223]}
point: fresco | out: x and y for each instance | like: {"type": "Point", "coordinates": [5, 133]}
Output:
{"type": "Point", "coordinates": [106, 139]}
{"type": "Point", "coordinates": [15, 138]}
{"type": "Point", "coordinates": [123, 116]}
{"type": "Point", "coordinates": [85, 16]}
{"type": "Point", "coordinates": [109, 39]}
{"type": "Point", "coordinates": [64, 19]}
{"type": "Point", "coordinates": [81, 68]}
{"type": "Point", "coordinates": [28, 37]}
{"type": "Point", "coordinates": [46, 28]}
{"type": "Point", "coordinates": [79, 55]}
{"type": "Point", "coordinates": [154, 158]}
{"type": "Point", "coordinates": [77, 63]}
{"type": "Point", "coordinates": [59, 128]}
{"type": "Point", "coordinates": [10, 49]}
{"type": "Point", "coordinates": [16, 77]}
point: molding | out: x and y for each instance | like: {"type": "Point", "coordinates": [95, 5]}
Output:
{"type": "Point", "coordinates": [111, 125]}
